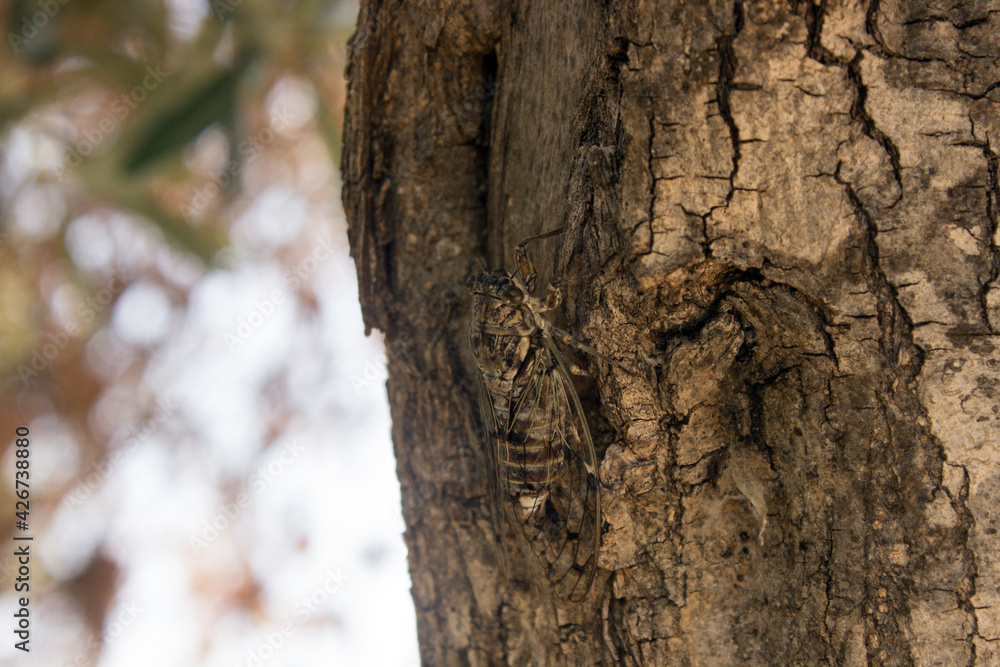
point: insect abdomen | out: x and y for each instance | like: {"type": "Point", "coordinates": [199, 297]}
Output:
{"type": "Point", "coordinates": [532, 454]}
{"type": "Point", "coordinates": [533, 464]}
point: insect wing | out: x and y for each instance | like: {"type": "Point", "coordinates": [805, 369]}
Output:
{"type": "Point", "coordinates": [497, 495]}
{"type": "Point", "coordinates": [574, 519]}
{"type": "Point", "coordinates": [562, 524]}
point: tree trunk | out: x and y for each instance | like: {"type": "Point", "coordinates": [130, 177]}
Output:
{"type": "Point", "coordinates": [791, 208]}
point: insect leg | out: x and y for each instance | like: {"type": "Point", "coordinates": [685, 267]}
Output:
{"type": "Point", "coordinates": [553, 293]}
{"type": "Point", "coordinates": [524, 265]}
{"type": "Point", "coordinates": [568, 339]}
{"type": "Point", "coordinates": [557, 284]}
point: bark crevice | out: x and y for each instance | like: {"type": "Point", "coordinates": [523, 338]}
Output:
{"type": "Point", "coordinates": [725, 84]}
{"type": "Point", "coordinates": [860, 114]}
{"type": "Point", "coordinates": [993, 216]}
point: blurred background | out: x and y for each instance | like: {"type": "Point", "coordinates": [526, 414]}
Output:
{"type": "Point", "coordinates": [211, 475]}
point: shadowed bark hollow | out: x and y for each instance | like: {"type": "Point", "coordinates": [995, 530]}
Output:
{"type": "Point", "coordinates": [791, 211]}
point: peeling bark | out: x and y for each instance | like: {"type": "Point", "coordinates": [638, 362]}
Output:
{"type": "Point", "coordinates": [791, 209]}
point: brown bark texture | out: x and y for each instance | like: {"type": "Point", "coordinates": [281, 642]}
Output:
{"type": "Point", "coordinates": [791, 211]}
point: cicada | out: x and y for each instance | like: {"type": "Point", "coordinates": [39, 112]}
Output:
{"type": "Point", "coordinates": [541, 455]}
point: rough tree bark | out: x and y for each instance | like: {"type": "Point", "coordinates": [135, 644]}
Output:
{"type": "Point", "coordinates": [793, 206]}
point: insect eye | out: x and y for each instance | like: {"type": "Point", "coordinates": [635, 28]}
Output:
{"type": "Point", "coordinates": [511, 294]}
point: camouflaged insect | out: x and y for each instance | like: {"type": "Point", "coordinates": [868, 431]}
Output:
{"type": "Point", "coordinates": [541, 455]}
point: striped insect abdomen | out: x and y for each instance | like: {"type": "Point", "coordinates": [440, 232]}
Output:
{"type": "Point", "coordinates": [531, 453]}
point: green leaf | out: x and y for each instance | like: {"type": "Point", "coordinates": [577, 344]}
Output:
{"type": "Point", "coordinates": [173, 127]}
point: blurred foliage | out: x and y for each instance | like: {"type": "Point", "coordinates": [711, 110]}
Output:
{"type": "Point", "coordinates": [216, 63]}
{"type": "Point", "coordinates": [123, 49]}
{"type": "Point", "coordinates": [111, 99]}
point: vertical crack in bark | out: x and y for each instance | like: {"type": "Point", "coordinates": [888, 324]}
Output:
{"type": "Point", "coordinates": [993, 216]}
{"type": "Point", "coordinates": [868, 126]}
{"type": "Point", "coordinates": [724, 85]}
{"type": "Point", "coordinates": [871, 23]}
{"type": "Point", "coordinates": [828, 623]}
{"type": "Point", "coordinates": [652, 176]}
{"type": "Point", "coordinates": [894, 323]}
{"type": "Point", "coordinates": [965, 593]}
{"type": "Point", "coordinates": [885, 607]}
{"type": "Point", "coordinates": [815, 14]}
{"type": "Point", "coordinates": [889, 484]}
{"type": "Point", "coordinates": [883, 580]}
